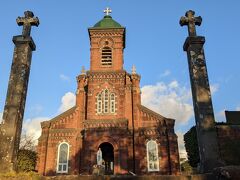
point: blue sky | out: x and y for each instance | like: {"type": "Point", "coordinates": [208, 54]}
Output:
{"type": "Point", "coordinates": [154, 41]}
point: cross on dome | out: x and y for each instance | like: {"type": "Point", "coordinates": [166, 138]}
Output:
{"type": "Point", "coordinates": [107, 11]}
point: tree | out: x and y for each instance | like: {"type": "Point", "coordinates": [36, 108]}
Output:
{"type": "Point", "coordinates": [27, 155]}
{"type": "Point", "coordinates": [186, 168]}
{"type": "Point", "coordinates": [26, 160]}
{"type": "Point", "coordinates": [191, 145]}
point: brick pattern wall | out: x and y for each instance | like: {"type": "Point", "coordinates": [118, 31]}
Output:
{"type": "Point", "coordinates": [127, 130]}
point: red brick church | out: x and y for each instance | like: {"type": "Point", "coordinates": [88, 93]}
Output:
{"type": "Point", "coordinates": [108, 126]}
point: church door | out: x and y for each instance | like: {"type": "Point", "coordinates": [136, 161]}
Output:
{"type": "Point", "coordinates": [108, 157]}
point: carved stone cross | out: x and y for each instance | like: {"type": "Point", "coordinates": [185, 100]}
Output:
{"type": "Point", "coordinates": [27, 22]}
{"type": "Point", "coordinates": [190, 21]}
{"type": "Point", "coordinates": [107, 11]}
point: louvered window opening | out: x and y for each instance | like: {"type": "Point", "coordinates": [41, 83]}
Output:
{"type": "Point", "coordinates": [106, 56]}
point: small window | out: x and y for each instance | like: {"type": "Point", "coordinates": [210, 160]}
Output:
{"type": "Point", "coordinates": [63, 152]}
{"type": "Point", "coordinates": [152, 156]}
{"type": "Point", "coordinates": [106, 56]}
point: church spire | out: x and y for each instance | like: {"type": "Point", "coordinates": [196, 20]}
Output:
{"type": "Point", "coordinates": [107, 43]}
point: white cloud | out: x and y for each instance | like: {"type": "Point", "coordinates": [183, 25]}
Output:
{"type": "Point", "coordinates": [220, 116]}
{"type": "Point", "coordinates": [32, 126]}
{"type": "Point", "coordinates": [165, 73]}
{"type": "Point", "coordinates": [64, 77]}
{"type": "Point", "coordinates": [36, 109]}
{"type": "Point", "coordinates": [214, 88]}
{"type": "Point", "coordinates": [170, 100]}
{"type": "Point", "coordinates": [68, 101]}
{"type": "Point", "coordinates": [181, 146]}
{"type": "Point", "coordinates": [173, 84]}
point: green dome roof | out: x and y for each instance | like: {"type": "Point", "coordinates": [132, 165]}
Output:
{"type": "Point", "coordinates": [107, 22]}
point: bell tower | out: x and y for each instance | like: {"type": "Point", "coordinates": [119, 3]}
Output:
{"type": "Point", "coordinates": [107, 41]}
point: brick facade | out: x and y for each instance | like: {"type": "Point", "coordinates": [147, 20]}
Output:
{"type": "Point", "coordinates": [229, 138]}
{"type": "Point", "coordinates": [127, 129]}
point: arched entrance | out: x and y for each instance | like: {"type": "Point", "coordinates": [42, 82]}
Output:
{"type": "Point", "coordinates": [108, 157]}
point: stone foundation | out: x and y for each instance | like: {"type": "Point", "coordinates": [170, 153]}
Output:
{"type": "Point", "coordinates": [164, 177]}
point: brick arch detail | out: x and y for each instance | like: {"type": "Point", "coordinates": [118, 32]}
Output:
{"type": "Point", "coordinates": [115, 145]}
{"type": "Point", "coordinates": [106, 38]}
{"type": "Point", "coordinates": [109, 140]}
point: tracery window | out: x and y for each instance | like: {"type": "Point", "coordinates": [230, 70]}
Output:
{"type": "Point", "coordinates": [106, 56]}
{"type": "Point", "coordinates": [63, 155]}
{"type": "Point", "coordinates": [106, 102]}
{"type": "Point", "coordinates": [152, 156]}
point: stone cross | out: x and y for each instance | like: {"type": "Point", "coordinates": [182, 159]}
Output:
{"type": "Point", "coordinates": [107, 11]}
{"type": "Point", "coordinates": [201, 96]}
{"type": "Point", "coordinates": [10, 131]}
{"type": "Point", "coordinates": [190, 21]}
{"type": "Point", "coordinates": [27, 22]}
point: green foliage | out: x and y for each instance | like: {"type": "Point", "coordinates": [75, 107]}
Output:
{"type": "Point", "coordinates": [186, 168]}
{"type": "Point", "coordinates": [191, 145]}
{"type": "Point", "coordinates": [26, 160]}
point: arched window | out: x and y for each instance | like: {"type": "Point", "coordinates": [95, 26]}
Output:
{"type": "Point", "coordinates": [99, 103]}
{"type": "Point", "coordinates": [63, 155]}
{"type": "Point", "coordinates": [106, 56]}
{"type": "Point", "coordinates": [112, 103]}
{"type": "Point", "coordinates": [106, 101]}
{"type": "Point", "coordinates": [152, 156]}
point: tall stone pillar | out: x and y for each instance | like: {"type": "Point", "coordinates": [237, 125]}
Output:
{"type": "Point", "coordinates": [11, 126]}
{"type": "Point", "coordinates": [202, 102]}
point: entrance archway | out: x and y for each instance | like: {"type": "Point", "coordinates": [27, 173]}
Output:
{"type": "Point", "coordinates": [108, 157]}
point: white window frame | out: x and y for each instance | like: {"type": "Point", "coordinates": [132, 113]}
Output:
{"type": "Point", "coordinates": [62, 164]}
{"type": "Point", "coordinates": [157, 161]}
{"type": "Point", "coordinates": [112, 103]}
{"type": "Point", "coordinates": [99, 103]}
{"type": "Point", "coordinates": [106, 101]}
